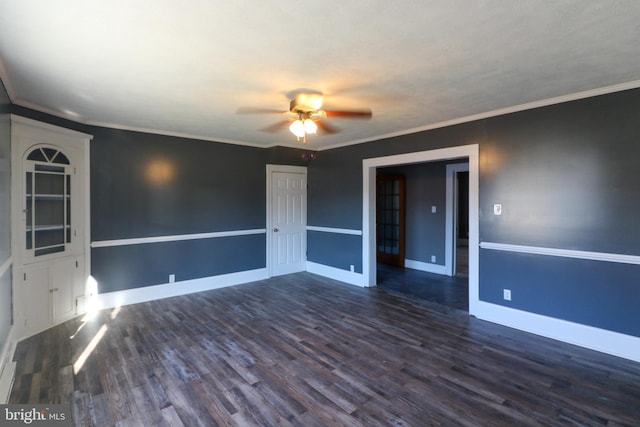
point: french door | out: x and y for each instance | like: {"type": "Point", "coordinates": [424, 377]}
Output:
{"type": "Point", "coordinates": [390, 219]}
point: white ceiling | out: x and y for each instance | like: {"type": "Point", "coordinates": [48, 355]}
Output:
{"type": "Point", "coordinates": [184, 68]}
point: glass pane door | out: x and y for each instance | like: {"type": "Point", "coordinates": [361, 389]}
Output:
{"type": "Point", "coordinates": [390, 219]}
{"type": "Point", "coordinates": [47, 204]}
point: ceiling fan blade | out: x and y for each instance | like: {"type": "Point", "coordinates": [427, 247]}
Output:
{"type": "Point", "coordinates": [326, 127]}
{"type": "Point", "coordinates": [276, 126]}
{"type": "Point", "coordinates": [253, 110]}
{"type": "Point", "coordinates": [351, 114]}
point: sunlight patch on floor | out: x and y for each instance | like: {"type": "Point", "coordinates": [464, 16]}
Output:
{"type": "Point", "coordinates": [89, 349]}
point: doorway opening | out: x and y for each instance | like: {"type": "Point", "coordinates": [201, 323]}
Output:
{"type": "Point", "coordinates": [433, 209]}
{"type": "Point", "coordinates": [461, 264]}
{"type": "Point", "coordinates": [467, 155]}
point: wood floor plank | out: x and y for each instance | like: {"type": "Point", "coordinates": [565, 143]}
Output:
{"type": "Point", "coordinates": [300, 350]}
{"type": "Point", "coordinates": [170, 417]}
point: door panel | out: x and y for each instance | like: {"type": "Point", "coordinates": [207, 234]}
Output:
{"type": "Point", "coordinates": [37, 309]}
{"type": "Point", "coordinates": [63, 278]}
{"type": "Point", "coordinates": [288, 222]}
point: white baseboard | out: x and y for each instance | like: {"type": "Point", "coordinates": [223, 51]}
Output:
{"type": "Point", "coordinates": [614, 343]}
{"type": "Point", "coordinates": [425, 266]}
{"type": "Point", "coordinates": [7, 367]}
{"type": "Point", "coordinates": [334, 273]}
{"type": "Point", "coordinates": [150, 293]}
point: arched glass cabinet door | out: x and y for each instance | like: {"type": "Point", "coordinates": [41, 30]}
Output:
{"type": "Point", "coordinates": [47, 202]}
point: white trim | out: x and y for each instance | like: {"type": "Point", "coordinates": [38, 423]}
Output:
{"type": "Point", "coordinates": [175, 238]}
{"type": "Point", "coordinates": [470, 152]}
{"type": "Point", "coordinates": [334, 273]}
{"type": "Point", "coordinates": [451, 216]}
{"type": "Point", "coordinates": [425, 266]}
{"type": "Point", "coordinates": [566, 253]}
{"type": "Point", "coordinates": [7, 367]}
{"type": "Point", "coordinates": [270, 169]}
{"type": "Point", "coordinates": [7, 377]}
{"type": "Point", "coordinates": [108, 125]}
{"type": "Point", "coordinates": [334, 230]}
{"type": "Point", "coordinates": [5, 266]}
{"type": "Point", "coordinates": [167, 290]}
{"type": "Point", "coordinates": [49, 127]}
{"type": "Point", "coordinates": [494, 113]}
{"type": "Point", "coordinates": [609, 342]}
{"type": "Point", "coordinates": [87, 216]}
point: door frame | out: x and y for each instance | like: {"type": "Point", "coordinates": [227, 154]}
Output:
{"type": "Point", "coordinates": [451, 215]}
{"type": "Point", "coordinates": [26, 133]}
{"type": "Point", "coordinates": [270, 169]}
{"type": "Point", "coordinates": [463, 153]}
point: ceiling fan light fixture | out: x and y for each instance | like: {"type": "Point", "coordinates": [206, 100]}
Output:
{"type": "Point", "coordinates": [310, 126]}
{"type": "Point", "coordinates": [297, 128]}
{"type": "Point", "coordinates": [305, 115]}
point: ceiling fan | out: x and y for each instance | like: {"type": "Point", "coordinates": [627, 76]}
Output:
{"type": "Point", "coordinates": [305, 114]}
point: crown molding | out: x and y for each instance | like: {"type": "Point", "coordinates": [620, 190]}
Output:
{"type": "Point", "coordinates": [466, 119]}
{"type": "Point", "coordinates": [499, 112]}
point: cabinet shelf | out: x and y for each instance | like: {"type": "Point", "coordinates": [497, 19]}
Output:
{"type": "Point", "coordinates": [47, 228]}
{"type": "Point", "coordinates": [47, 196]}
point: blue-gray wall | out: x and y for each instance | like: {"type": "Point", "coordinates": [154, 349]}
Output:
{"type": "Point", "coordinates": [146, 185]}
{"type": "Point", "coordinates": [6, 315]}
{"type": "Point", "coordinates": [566, 176]}
{"type": "Point", "coordinates": [425, 186]}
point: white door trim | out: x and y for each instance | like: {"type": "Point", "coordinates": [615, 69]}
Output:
{"type": "Point", "coordinates": [369, 166]}
{"type": "Point", "coordinates": [451, 216]}
{"type": "Point", "coordinates": [269, 170]}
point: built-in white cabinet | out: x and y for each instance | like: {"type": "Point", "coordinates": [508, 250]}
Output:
{"type": "Point", "coordinates": [50, 223]}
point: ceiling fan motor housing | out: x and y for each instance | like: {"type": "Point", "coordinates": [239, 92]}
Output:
{"type": "Point", "coordinates": [304, 102]}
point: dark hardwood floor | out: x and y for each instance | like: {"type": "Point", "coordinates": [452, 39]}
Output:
{"type": "Point", "coordinates": [450, 291]}
{"type": "Point", "coordinates": [306, 351]}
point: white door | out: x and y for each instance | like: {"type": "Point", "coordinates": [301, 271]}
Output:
{"type": "Point", "coordinates": [288, 222]}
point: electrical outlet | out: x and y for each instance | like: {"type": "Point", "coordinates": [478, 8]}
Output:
{"type": "Point", "coordinates": [506, 294]}
{"type": "Point", "coordinates": [433, 209]}
{"type": "Point", "coordinates": [433, 259]}
{"type": "Point", "coordinates": [172, 278]}
{"type": "Point", "coordinates": [352, 268]}
{"type": "Point", "coordinates": [497, 209]}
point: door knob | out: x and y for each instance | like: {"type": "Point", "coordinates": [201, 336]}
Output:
{"type": "Point", "coordinates": [275, 230]}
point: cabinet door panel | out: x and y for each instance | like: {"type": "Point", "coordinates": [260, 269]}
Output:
{"type": "Point", "coordinates": [63, 277]}
{"type": "Point", "coordinates": [35, 288]}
